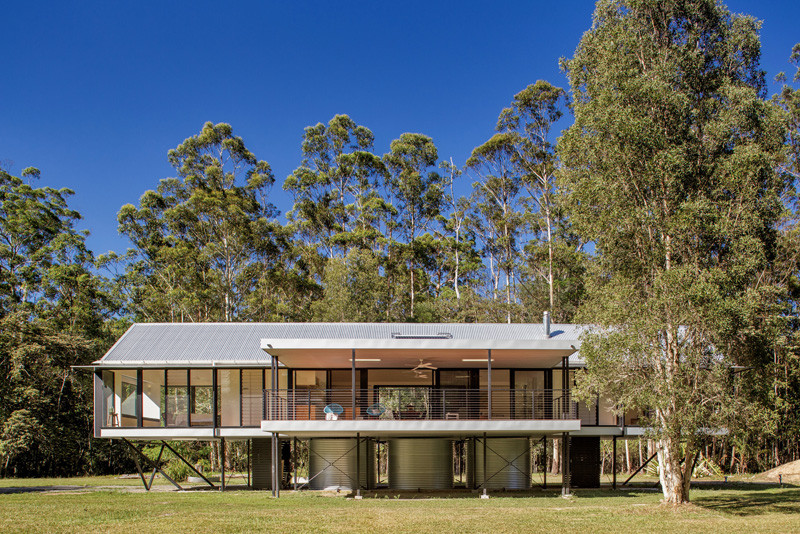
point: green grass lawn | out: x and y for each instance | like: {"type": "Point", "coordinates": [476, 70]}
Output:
{"type": "Point", "coordinates": [738, 507]}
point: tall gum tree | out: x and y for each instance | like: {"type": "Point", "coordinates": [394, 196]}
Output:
{"type": "Point", "coordinates": [337, 207]}
{"type": "Point", "coordinates": [199, 237]}
{"type": "Point", "coordinates": [418, 194]}
{"type": "Point", "coordinates": [528, 122]}
{"type": "Point", "coordinates": [670, 171]}
{"type": "Point", "coordinates": [499, 214]}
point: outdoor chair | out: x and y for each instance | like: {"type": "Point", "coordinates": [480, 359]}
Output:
{"type": "Point", "coordinates": [376, 410]}
{"type": "Point", "coordinates": [333, 411]}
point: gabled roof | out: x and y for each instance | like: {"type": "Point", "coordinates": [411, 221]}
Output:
{"type": "Point", "coordinates": [235, 344]}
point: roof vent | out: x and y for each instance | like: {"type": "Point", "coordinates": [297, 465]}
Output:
{"type": "Point", "coordinates": [546, 321]}
{"type": "Point", "coordinates": [440, 335]}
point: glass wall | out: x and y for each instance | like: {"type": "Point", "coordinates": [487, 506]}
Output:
{"type": "Point", "coordinates": [530, 398]}
{"type": "Point", "coordinates": [153, 398]}
{"type": "Point", "coordinates": [501, 394]}
{"type": "Point", "coordinates": [201, 397]}
{"type": "Point", "coordinates": [177, 403]}
{"type": "Point", "coordinates": [252, 396]}
{"type": "Point", "coordinates": [229, 401]}
{"type": "Point", "coordinates": [125, 397]}
{"type": "Point", "coordinates": [109, 414]}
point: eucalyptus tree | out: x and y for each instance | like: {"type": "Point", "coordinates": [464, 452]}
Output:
{"type": "Point", "coordinates": [498, 212]}
{"type": "Point", "coordinates": [417, 195]}
{"type": "Point", "coordinates": [52, 315]}
{"type": "Point", "coordinates": [458, 262]}
{"type": "Point", "coordinates": [786, 383]}
{"type": "Point", "coordinates": [199, 238]}
{"type": "Point", "coordinates": [670, 171]}
{"type": "Point", "coordinates": [528, 122]}
{"type": "Point", "coordinates": [336, 203]}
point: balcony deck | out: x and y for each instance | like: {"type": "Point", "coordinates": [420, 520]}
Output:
{"type": "Point", "coordinates": [418, 411]}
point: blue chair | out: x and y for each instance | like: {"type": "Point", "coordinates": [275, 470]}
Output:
{"type": "Point", "coordinates": [333, 411]}
{"type": "Point", "coordinates": [376, 410]}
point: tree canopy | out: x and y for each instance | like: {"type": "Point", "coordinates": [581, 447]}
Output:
{"type": "Point", "coordinates": [670, 169]}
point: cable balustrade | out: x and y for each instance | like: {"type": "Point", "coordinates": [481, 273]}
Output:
{"type": "Point", "coordinates": [420, 403]}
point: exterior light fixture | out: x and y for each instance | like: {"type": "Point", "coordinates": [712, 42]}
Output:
{"type": "Point", "coordinates": [368, 359]}
{"type": "Point", "coordinates": [474, 359]}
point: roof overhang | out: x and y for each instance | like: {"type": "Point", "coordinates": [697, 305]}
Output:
{"type": "Point", "coordinates": [407, 353]}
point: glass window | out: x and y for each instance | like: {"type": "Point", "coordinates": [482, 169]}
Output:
{"type": "Point", "coordinates": [153, 397]}
{"type": "Point", "coordinates": [110, 416]}
{"type": "Point", "coordinates": [399, 377]}
{"type": "Point", "coordinates": [201, 397]}
{"type": "Point", "coordinates": [125, 393]}
{"type": "Point", "coordinates": [501, 395]}
{"type": "Point", "coordinates": [454, 378]}
{"type": "Point", "coordinates": [530, 398]}
{"type": "Point", "coordinates": [310, 380]}
{"type": "Point", "coordinates": [607, 417]}
{"type": "Point", "coordinates": [252, 396]}
{"type": "Point", "coordinates": [177, 398]}
{"type": "Point", "coordinates": [229, 400]}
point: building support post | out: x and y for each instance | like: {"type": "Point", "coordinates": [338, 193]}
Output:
{"type": "Point", "coordinates": [275, 466]}
{"type": "Point", "coordinates": [294, 461]}
{"type": "Point", "coordinates": [485, 496]}
{"type": "Point", "coordinates": [249, 483]}
{"type": "Point", "coordinates": [544, 467]}
{"type": "Point", "coordinates": [222, 464]}
{"type": "Point", "coordinates": [613, 462]}
{"type": "Point", "coordinates": [565, 474]}
{"type": "Point", "coordinates": [358, 465]}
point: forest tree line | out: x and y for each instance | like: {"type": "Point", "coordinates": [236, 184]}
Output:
{"type": "Point", "coordinates": [535, 219]}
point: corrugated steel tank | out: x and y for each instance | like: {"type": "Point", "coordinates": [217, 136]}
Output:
{"type": "Point", "coordinates": [508, 463]}
{"type": "Point", "coordinates": [424, 463]}
{"type": "Point", "coordinates": [332, 463]}
{"type": "Point", "coordinates": [261, 463]}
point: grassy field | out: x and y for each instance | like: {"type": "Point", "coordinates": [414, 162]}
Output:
{"type": "Point", "coordinates": [83, 507]}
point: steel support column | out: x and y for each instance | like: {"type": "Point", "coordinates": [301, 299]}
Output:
{"type": "Point", "coordinates": [613, 462]}
{"type": "Point", "coordinates": [565, 474]}
{"type": "Point", "coordinates": [222, 464]}
{"type": "Point", "coordinates": [294, 461]}
{"type": "Point", "coordinates": [353, 382]}
{"type": "Point", "coordinates": [544, 470]}
{"type": "Point", "coordinates": [276, 492]}
{"type": "Point", "coordinates": [358, 464]}
{"type": "Point", "coordinates": [484, 463]}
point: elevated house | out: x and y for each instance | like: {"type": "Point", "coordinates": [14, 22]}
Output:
{"type": "Point", "coordinates": [430, 395]}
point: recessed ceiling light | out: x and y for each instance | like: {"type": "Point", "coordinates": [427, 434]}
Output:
{"type": "Point", "coordinates": [368, 359]}
{"type": "Point", "coordinates": [474, 360]}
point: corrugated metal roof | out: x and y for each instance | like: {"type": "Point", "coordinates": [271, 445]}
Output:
{"type": "Point", "coordinates": [241, 342]}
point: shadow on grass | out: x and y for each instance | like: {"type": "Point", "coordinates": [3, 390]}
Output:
{"type": "Point", "coordinates": [494, 494]}
{"type": "Point", "coordinates": [769, 500]}
{"type": "Point", "coordinates": [38, 489]}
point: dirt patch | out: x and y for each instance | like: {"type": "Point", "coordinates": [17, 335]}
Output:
{"type": "Point", "coordinates": [789, 472]}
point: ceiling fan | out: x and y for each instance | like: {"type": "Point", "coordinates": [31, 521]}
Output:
{"type": "Point", "coordinates": [423, 366]}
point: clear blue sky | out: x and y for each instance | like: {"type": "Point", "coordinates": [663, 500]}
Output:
{"type": "Point", "coordinates": [95, 93]}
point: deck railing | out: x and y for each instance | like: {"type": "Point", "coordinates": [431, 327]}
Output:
{"type": "Point", "coordinates": [419, 403]}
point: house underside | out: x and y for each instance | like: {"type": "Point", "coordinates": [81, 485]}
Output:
{"type": "Point", "coordinates": [442, 404]}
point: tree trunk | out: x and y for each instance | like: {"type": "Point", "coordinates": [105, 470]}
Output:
{"type": "Point", "coordinates": [670, 472]}
{"type": "Point", "coordinates": [627, 458]}
{"type": "Point", "coordinates": [555, 466]}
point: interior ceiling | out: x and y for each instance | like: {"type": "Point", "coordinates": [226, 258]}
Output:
{"type": "Point", "coordinates": [408, 359]}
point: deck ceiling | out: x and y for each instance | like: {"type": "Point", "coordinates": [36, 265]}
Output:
{"type": "Point", "coordinates": [408, 358]}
